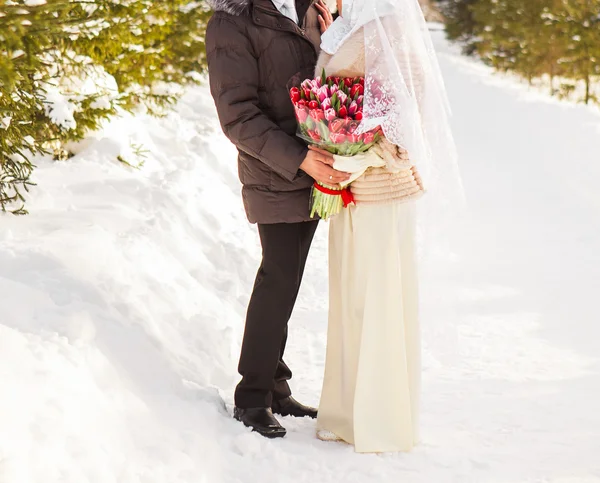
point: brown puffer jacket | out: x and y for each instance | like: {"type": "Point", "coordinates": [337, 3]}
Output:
{"type": "Point", "coordinates": [253, 53]}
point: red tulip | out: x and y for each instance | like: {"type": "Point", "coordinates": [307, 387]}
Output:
{"type": "Point", "coordinates": [314, 135]}
{"type": "Point", "coordinates": [348, 82]}
{"type": "Point", "coordinates": [358, 116]}
{"type": "Point", "coordinates": [317, 115]}
{"type": "Point", "coordinates": [301, 103]}
{"type": "Point", "coordinates": [313, 105]}
{"type": "Point", "coordinates": [356, 89]}
{"type": "Point", "coordinates": [343, 112]}
{"type": "Point", "coordinates": [295, 94]}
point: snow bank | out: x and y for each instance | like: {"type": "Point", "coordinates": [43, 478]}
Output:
{"type": "Point", "coordinates": [122, 297]}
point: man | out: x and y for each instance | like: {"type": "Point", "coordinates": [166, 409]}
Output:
{"type": "Point", "coordinates": [254, 48]}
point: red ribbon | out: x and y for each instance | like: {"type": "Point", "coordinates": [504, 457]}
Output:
{"type": "Point", "coordinates": [345, 193]}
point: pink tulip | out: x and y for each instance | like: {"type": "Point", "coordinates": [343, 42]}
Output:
{"type": "Point", "coordinates": [322, 93]}
{"type": "Point", "coordinates": [337, 138]}
{"type": "Point", "coordinates": [367, 137]}
{"type": "Point", "coordinates": [326, 104]}
{"type": "Point", "coordinates": [353, 109]}
{"type": "Point", "coordinates": [337, 126]}
{"type": "Point", "coordinates": [302, 114]}
{"type": "Point", "coordinates": [353, 126]}
{"type": "Point", "coordinates": [330, 114]}
{"type": "Point", "coordinates": [317, 114]}
{"type": "Point", "coordinates": [342, 97]}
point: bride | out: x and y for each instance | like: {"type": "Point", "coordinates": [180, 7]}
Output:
{"type": "Point", "coordinates": [372, 375]}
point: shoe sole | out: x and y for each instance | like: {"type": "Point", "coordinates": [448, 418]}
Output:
{"type": "Point", "coordinates": [274, 435]}
{"type": "Point", "coordinates": [283, 415]}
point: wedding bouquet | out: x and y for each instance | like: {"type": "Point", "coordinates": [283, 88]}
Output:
{"type": "Point", "coordinates": [329, 112]}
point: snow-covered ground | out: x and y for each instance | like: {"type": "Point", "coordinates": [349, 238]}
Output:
{"type": "Point", "coordinates": [122, 299]}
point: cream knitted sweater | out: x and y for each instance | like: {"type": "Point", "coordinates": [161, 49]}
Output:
{"type": "Point", "coordinates": [399, 181]}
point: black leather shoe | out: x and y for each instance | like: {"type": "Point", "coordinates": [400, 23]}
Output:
{"type": "Point", "coordinates": [260, 420]}
{"type": "Point", "coordinates": [290, 407]}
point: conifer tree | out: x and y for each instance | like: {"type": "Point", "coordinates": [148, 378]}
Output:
{"type": "Point", "coordinates": [67, 65]}
{"type": "Point", "coordinates": [532, 38]}
{"type": "Point", "coordinates": [510, 34]}
{"type": "Point", "coordinates": [579, 22]}
{"type": "Point", "coordinates": [460, 24]}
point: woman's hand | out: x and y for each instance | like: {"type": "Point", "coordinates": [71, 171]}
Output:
{"type": "Point", "coordinates": [325, 17]}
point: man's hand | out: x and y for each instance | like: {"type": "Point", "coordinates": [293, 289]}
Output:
{"type": "Point", "coordinates": [318, 165]}
{"type": "Point", "coordinates": [325, 17]}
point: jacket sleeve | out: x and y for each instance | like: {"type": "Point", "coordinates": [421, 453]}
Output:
{"type": "Point", "coordinates": [234, 82]}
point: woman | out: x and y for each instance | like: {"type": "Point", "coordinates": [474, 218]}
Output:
{"type": "Point", "coordinates": [372, 376]}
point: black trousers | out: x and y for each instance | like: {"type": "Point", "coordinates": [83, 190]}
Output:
{"type": "Point", "coordinates": [285, 248]}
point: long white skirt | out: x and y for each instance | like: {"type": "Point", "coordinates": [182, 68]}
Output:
{"type": "Point", "coordinates": [372, 374]}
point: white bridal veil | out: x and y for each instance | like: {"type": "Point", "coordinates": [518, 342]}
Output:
{"type": "Point", "coordinates": [404, 89]}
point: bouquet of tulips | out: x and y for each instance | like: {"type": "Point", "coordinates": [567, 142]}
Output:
{"type": "Point", "coordinates": [329, 112]}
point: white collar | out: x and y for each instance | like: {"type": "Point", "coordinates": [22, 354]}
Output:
{"type": "Point", "coordinates": [287, 3]}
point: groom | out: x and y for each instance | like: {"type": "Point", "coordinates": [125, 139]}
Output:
{"type": "Point", "coordinates": [254, 48]}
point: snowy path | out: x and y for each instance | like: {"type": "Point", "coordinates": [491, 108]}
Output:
{"type": "Point", "coordinates": [122, 297]}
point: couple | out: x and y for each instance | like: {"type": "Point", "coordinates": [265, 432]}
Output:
{"type": "Point", "coordinates": [371, 386]}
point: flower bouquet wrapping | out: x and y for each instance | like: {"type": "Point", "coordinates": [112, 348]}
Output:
{"type": "Point", "coordinates": [329, 112]}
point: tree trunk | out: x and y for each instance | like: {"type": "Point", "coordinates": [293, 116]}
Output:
{"type": "Point", "coordinates": [588, 81]}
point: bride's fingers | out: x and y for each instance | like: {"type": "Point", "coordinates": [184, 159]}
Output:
{"type": "Point", "coordinates": [328, 14]}
{"type": "Point", "coordinates": [325, 17]}
{"type": "Point", "coordinates": [321, 7]}
{"type": "Point", "coordinates": [322, 24]}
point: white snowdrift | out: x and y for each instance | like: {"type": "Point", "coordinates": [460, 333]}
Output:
{"type": "Point", "coordinates": [123, 296]}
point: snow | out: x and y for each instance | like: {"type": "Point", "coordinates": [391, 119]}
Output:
{"type": "Point", "coordinates": [123, 295]}
{"type": "Point", "coordinates": [64, 96]}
